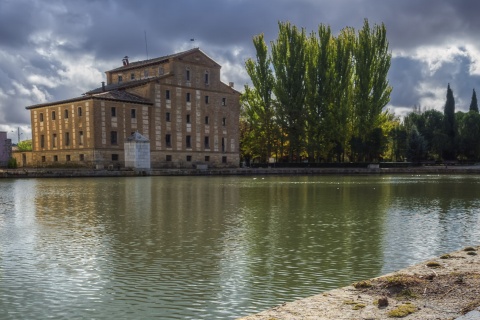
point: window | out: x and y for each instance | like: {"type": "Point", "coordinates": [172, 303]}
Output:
{"type": "Point", "coordinates": [66, 114]}
{"type": "Point", "coordinates": [113, 137]}
{"type": "Point", "coordinates": [189, 158]}
{"type": "Point", "coordinates": [168, 140]}
{"type": "Point", "coordinates": [188, 118]}
{"type": "Point", "coordinates": [67, 157]}
{"type": "Point", "coordinates": [167, 94]}
{"type": "Point", "coordinates": [79, 111]}
{"type": "Point", "coordinates": [224, 159]}
{"type": "Point", "coordinates": [206, 99]}
{"type": "Point", "coordinates": [54, 140]}
{"type": "Point", "coordinates": [44, 159]}
{"type": "Point", "coordinates": [41, 117]}
{"type": "Point", "coordinates": [206, 119]}
{"type": "Point", "coordinates": [55, 158]}
{"type": "Point", "coordinates": [207, 143]}
{"type": "Point", "coordinates": [132, 76]}
{"type": "Point", "coordinates": [80, 138]}
{"type": "Point", "coordinates": [224, 101]}
{"type": "Point", "coordinates": [160, 71]}
{"type": "Point", "coordinates": [114, 112]}
{"type": "Point", "coordinates": [223, 144]}
{"type": "Point", "coordinates": [120, 79]}
{"type": "Point", "coordinates": [224, 122]}
{"type": "Point", "coordinates": [188, 96]}
{"type": "Point", "coordinates": [67, 138]}
{"type": "Point", "coordinates": [42, 141]}
{"type": "Point", "coordinates": [167, 117]}
{"type": "Point", "coordinates": [114, 157]}
{"type": "Point", "coordinates": [82, 157]}
{"type": "Point", "coordinates": [207, 158]}
{"type": "Point", "coordinates": [53, 115]}
{"type": "Point", "coordinates": [206, 78]}
{"type": "Point", "coordinates": [133, 113]}
{"type": "Point", "coordinates": [168, 157]}
{"type": "Point", "coordinates": [189, 142]}
{"type": "Point", "coordinates": [187, 75]}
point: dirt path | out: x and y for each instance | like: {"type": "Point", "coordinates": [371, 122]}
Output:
{"type": "Point", "coordinates": [446, 287]}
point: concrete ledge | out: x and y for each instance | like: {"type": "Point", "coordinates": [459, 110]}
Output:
{"type": "Point", "coordinates": [446, 287]}
{"type": "Point", "coordinates": [86, 172]}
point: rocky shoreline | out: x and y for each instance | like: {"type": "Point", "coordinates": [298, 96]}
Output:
{"type": "Point", "coordinates": [88, 172]}
{"type": "Point", "coordinates": [445, 287]}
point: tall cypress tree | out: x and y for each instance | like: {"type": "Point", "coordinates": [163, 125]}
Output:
{"type": "Point", "coordinates": [449, 121]}
{"type": "Point", "coordinates": [473, 104]}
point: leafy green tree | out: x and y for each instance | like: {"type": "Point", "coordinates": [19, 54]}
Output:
{"type": "Point", "coordinates": [257, 102]}
{"type": "Point", "coordinates": [398, 138]}
{"type": "Point", "coordinates": [372, 90]}
{"type": "Point", "coordinates": [449, 126]}
{"type": "Point", "coordinates": [25, 145]}
{"type": "Point", "coordinates": [469, 135]}
{"type": "Point", "coordinates": [319, 84]}
{"type": "Point", "coordinates": [288, 59]}
{"type": "Point", "coordinates": [433, 133]}
{"type": "Point", "coordinates": [340, 110]}
{"type": "Point", "coordinates": [416, 146]}
{"type": "Point", "coordinates": [473, 103]}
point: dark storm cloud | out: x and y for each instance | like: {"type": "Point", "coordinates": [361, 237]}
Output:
{"type": "Point", "coordinates": [57, 49]}
{"type": "Point", "coordinates": [405, 74]}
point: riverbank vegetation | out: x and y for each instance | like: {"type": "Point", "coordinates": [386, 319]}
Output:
{"type": "Point", "coordinates": [318, 97]}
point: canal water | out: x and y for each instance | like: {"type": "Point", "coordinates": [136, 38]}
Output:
{"type": "Point", "coordinates": [216, 247]}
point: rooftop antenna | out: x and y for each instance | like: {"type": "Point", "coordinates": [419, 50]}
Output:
{"type": "Point", "coordinates": [146, 46]}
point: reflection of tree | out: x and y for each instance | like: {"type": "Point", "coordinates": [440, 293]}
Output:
{"type": "Point", "coordinates": [307, 235]}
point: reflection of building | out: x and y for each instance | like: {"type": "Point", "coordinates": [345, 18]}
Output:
{"type": "Point", "coordinates": [178, 102]}
{"type": "Point", "coordinates": [5, 149]}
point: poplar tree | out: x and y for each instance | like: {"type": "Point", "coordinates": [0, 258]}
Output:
{"type": "Point", "coordinates": [257, 101]}
{"type": "Point", "coordinates": [372, 90]}
{"type": "Point", "coordinates": [340, 110]}
{"type": "Point", "coordinates": [473, 104]}
{"type": "Point", "coordinates": [288, 59]}
{"type": "Point", "coordinates": [319, 86]}
{"type": "Point", "coordinates": [320, 95]}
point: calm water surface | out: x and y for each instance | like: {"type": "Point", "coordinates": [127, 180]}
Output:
{"type": "Point", "coordinates": [216, 247]}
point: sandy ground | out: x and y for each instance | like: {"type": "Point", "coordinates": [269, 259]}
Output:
{"type": "Point", "coordinates": [447, 287]}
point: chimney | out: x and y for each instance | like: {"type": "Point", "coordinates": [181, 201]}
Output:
{"type": "Point", "coordinates": [125, 61]}
{"type": "Point", "coordinates": [230, 84]}
{"type": "Point", "coordinates": [103, 86]}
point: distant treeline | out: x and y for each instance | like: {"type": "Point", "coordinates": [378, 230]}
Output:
{"type": "Point", "coordinates": [433, 135]}
{"type": "Point", "coordinates": [320, 98]}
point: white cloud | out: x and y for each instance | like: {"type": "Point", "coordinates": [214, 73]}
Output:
{"type": "Point", "coordinates": [36, 79]}
{"type": "Point", "coordinates": [432, 96]}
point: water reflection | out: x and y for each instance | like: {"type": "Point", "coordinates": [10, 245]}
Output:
{"type": "Point", "coordinates": [429, 216]}
{"type": "Point", "coordinates": [215, 247]}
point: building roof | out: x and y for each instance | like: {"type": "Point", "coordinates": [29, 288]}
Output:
{"type": "Point", "coordinates": [114, 95]}
{"type": "Point", "coordinates": [141, 63]}
{"type": "Point", "coordinates": [118, 86]}
{"type": "Point", "coordinates": [116, 91]}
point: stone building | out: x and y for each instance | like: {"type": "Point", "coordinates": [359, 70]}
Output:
{"type": "Point", "coordinates": [177, 102]}
{"type": "Point", "coordinates": [5, 149]}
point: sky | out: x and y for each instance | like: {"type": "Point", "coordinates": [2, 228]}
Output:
{"type": "Point", "coordinates": [59, 49]}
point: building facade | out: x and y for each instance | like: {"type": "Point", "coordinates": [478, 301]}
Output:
{"type": "Point", "coordinates": [178, 102]}
{"type": "Point", "coordinates": [5, 149]}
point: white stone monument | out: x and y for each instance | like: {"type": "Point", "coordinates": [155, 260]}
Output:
{"type": "Point", "coordinates": [137, 152]}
